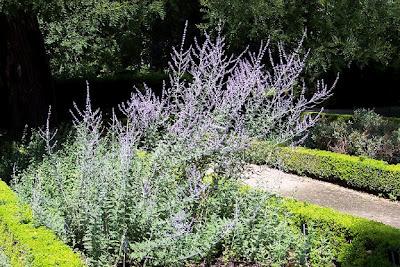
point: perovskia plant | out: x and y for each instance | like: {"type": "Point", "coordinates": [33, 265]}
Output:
{"type": "Point", "coordinates": [159, 186]}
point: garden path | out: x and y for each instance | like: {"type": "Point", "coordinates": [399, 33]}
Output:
{"type": "Point", "coordinates": [324, 194]}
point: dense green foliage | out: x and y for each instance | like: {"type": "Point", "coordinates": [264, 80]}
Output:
{"type": "Point", "coordinates": [99, 37]}
{"type": "Point", "coordinates": [364, 134]}
{"type": "Point", "coordinates": [96, 37]}
{"type": "Point", "coordinates": [102, 37]}
{"type": "Point", "coordinates": [267, 231]}
{"type": "Point", "coordinates": [330, 117]}
{"type": "Point", "coordinates": [362, 173]}
{"type": "Point", "coordinates": [340, 33]}
{"type": "Point", "coordinates": [86, 38]}
{"type": "Point", "coordinates": [93, 203]}
{"type": "Point", "coordinates": [26, 244]}
{"type": "Point", "coordinates": [15, 156]}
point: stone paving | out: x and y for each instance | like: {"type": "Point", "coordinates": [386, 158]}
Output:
{"type": "Point", "coordinates": [325, 194]}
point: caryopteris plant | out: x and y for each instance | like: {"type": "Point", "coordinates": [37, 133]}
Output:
{"type": "Point", "coordinates": [146, 188]}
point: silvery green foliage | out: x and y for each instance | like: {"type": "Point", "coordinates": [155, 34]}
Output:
{"type": "Point", "coordinates": [4, 262]}
{"type": "Point", "coordinates": [242, 93]}
{"type": "Point", "coordinates": [48, 136]}
{"type": "Point", "coordinates": [147, 189]}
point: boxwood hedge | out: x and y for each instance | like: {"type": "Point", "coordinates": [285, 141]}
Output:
{"type": "Point", "coordinates": [354, 241]}
{"type": "Point", "coordinates": [25, 244]}
{"type": "Point", "coordinates": [361, 173]}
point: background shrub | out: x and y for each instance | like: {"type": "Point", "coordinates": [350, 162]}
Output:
{"type": "Point", "coordinates": [17, 153]}
{"type": "Point", "coordinates": [15, 156]}
{"type": "Point", "coordinates": [364, 134]}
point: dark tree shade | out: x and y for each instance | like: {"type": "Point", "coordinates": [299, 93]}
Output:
{"type": "Point", "coordinates": [167, 32]}
{"type": "Point", "coordinates": [26, 87]}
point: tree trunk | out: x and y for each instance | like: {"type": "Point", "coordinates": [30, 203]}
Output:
{"type": "Point", "coordinates": [26, 85]}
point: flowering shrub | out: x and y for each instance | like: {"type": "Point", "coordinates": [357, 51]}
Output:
{"type": "Point", "coordinates": [365, 134]}
{"type": "Point", "coordinates": [147, 189]}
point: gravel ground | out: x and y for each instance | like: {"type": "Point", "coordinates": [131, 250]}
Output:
{"type": "Point", "coordinates": [324, 194]}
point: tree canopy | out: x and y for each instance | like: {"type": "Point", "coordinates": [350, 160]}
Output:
{"type": "Point", "coordinates": [93, 36]}
{"type": "Point", "coordinates": [340, 32]}
{"type": "Point", "coordinates": [99, 36]}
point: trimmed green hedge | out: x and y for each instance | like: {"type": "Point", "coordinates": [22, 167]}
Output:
{"type": "Point", "coordinates": [361, 173]}
{"type": "Point", "coordinates": [23, 243]}
{"type": "Point", "coordinates": [355, 241]}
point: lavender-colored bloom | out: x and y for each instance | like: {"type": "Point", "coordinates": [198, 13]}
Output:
{"type": "Point", "coordinates": [138, 185]}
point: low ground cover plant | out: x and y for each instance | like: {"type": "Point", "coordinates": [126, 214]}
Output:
{"type": "Point", "coordinates": [157, 185]}
{"type": "Point", "coordinates": [364, 134]}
